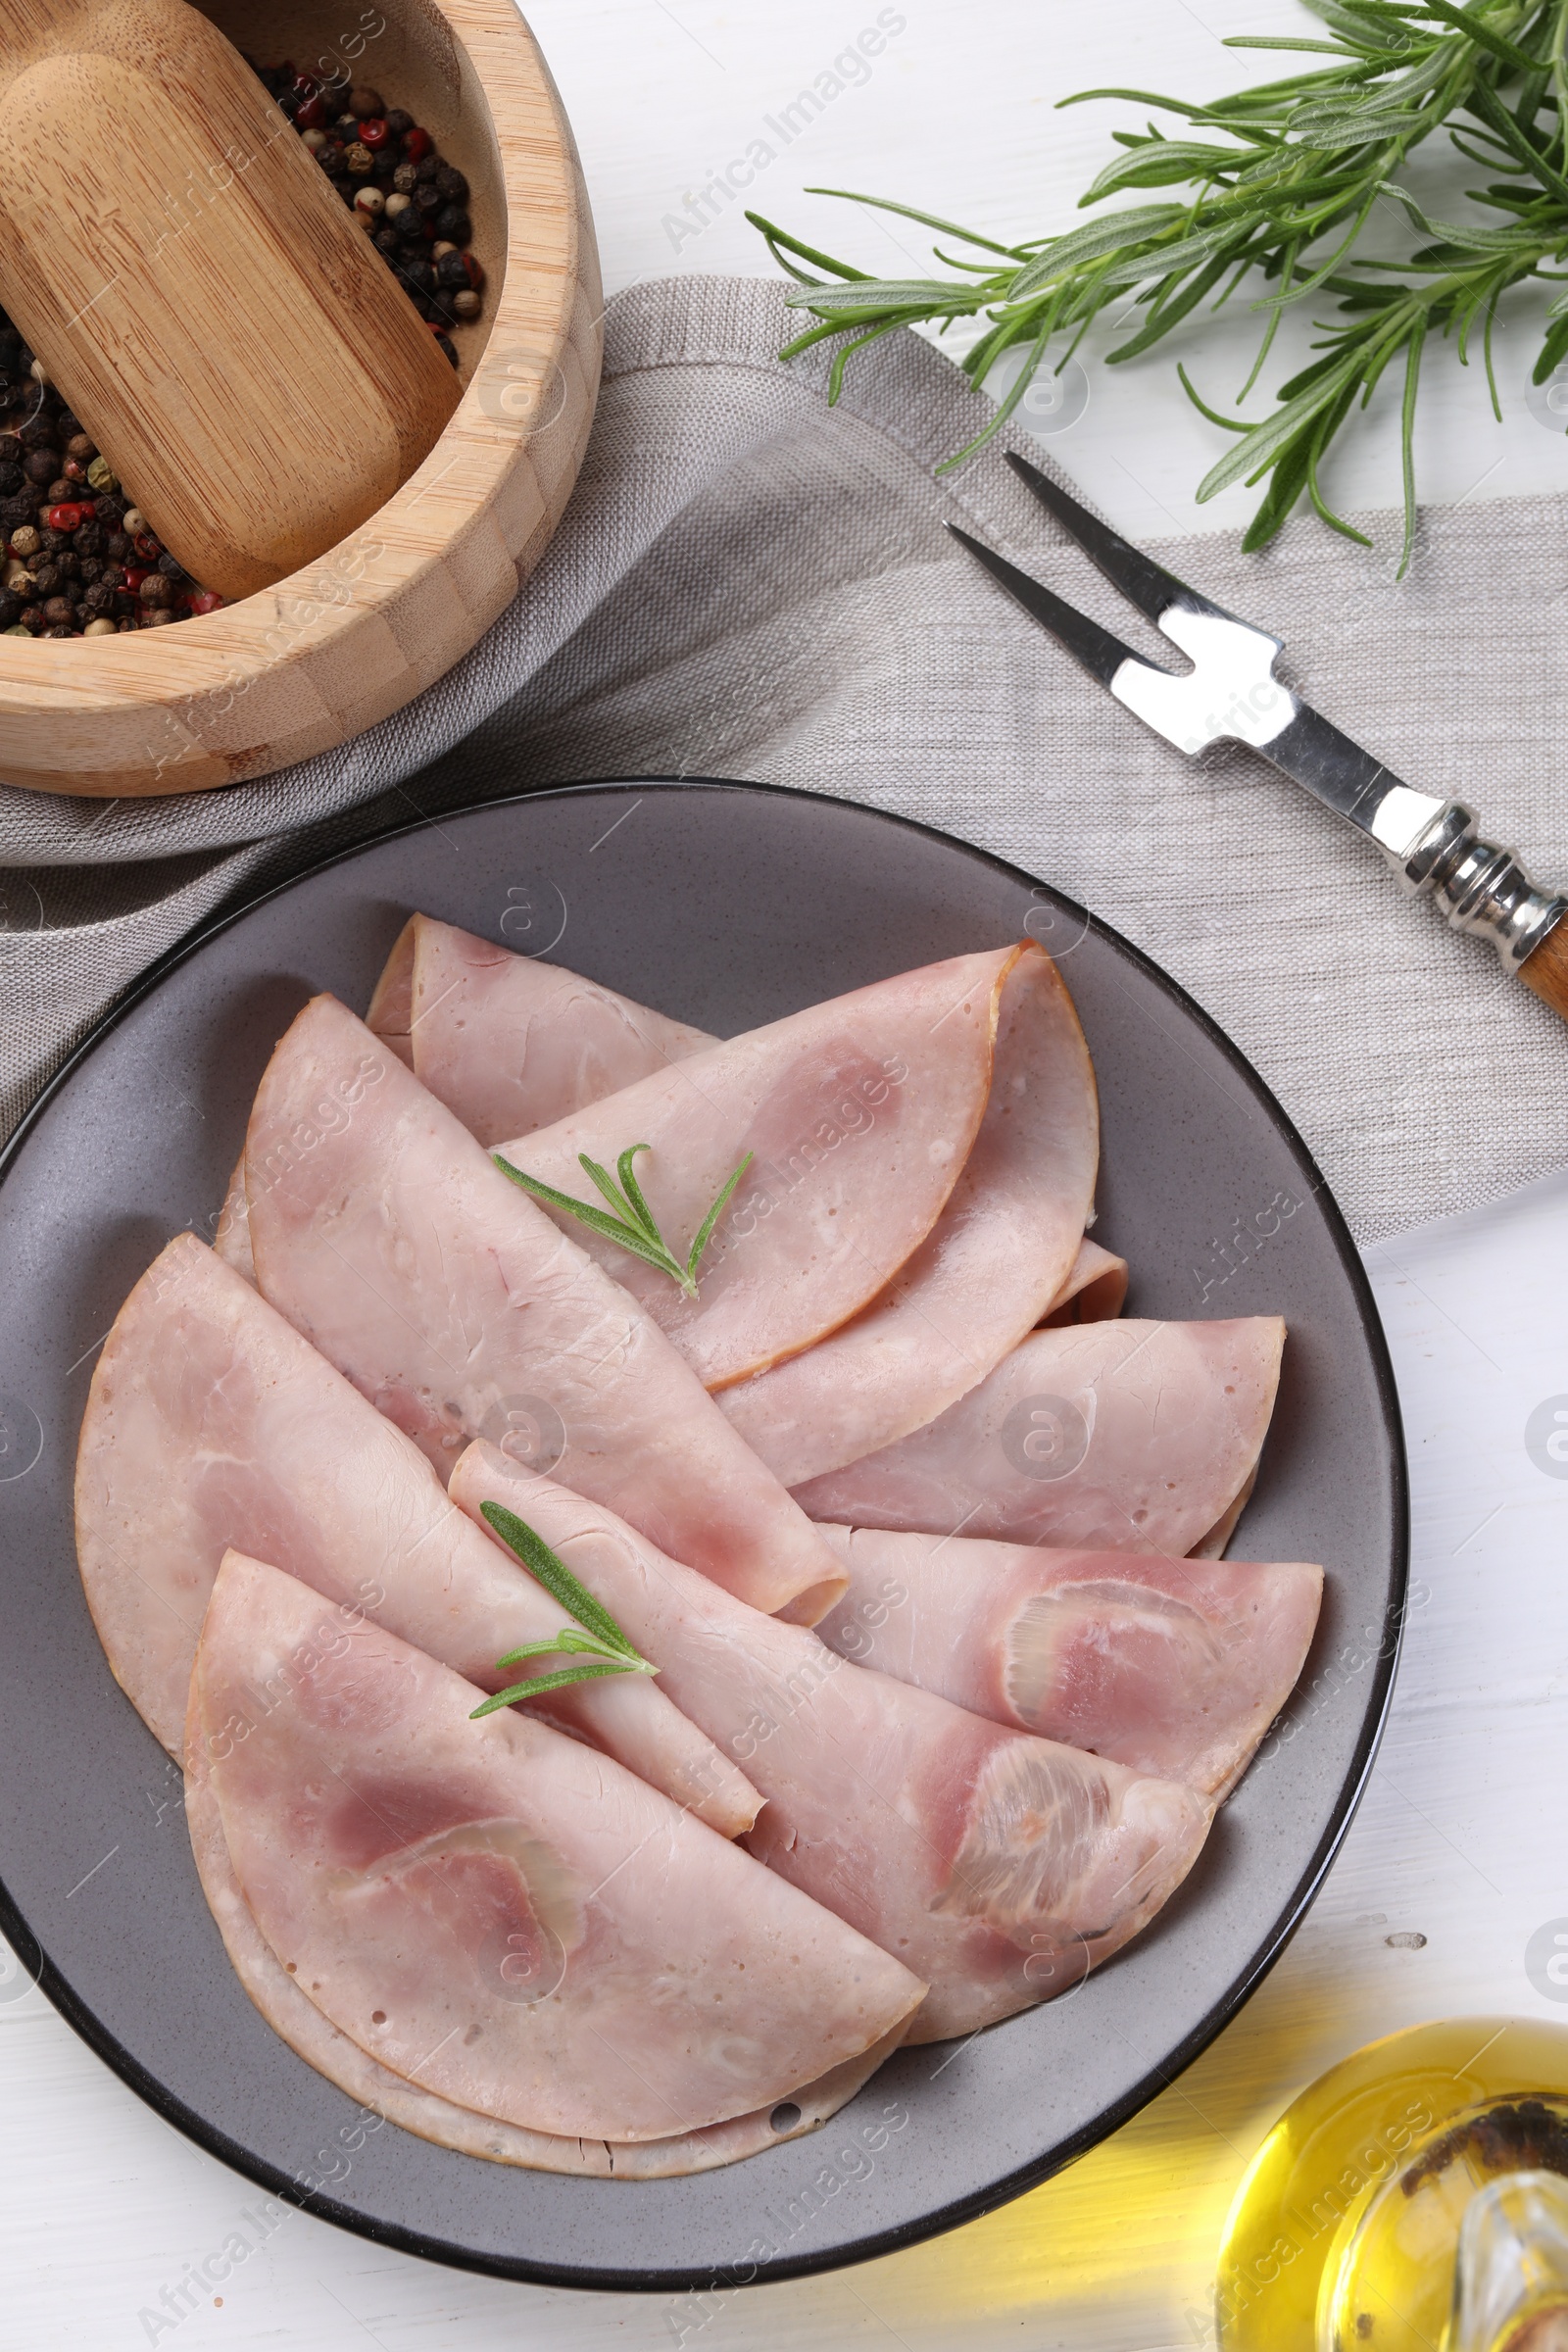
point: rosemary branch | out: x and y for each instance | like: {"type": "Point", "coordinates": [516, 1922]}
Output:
{"type": "Point", "coordinates": [1282, 184]}
{"type": "Point", "coordinates": [602, 1646]}
{"type": "Point", "coordinates": [628, 1220]}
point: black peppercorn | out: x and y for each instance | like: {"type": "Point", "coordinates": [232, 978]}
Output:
{"type": "Point", "coordinates": [80, 444]}
{"type": "Point", "coordinates": [47, 579]}
{"type": "Point", "coordinates": [59, 612]}
{"type": "Point", "coordinates": [170, 565]}
{"type": "Point", "coordinates": [156, 590]}
{"type": "Point", "coordinates": [446, 345]}
{"type": "Point", "coordinates": [51, 539]}
{"type": "Point", "coordinates": [453, 223]}
{"type": "Point", "coordinates": [42, 465]}
{"type": "Point", "coordinates": [37, 433]}
{"type": "Point", "coordinates": [409, 225]}
{"type": "Point", "coordinates": [100, 600]}
{"type": "Point", "coordinates": [398, 122]}
{"type": "Point", "coordinates": [11, 609]}
{"type": "Point", "coordinates": [330, 157]}
{"type": "Point", "coordinates": [117, 547]}
{"type": "Point", "coordinates": [386, 165]}
{"type": "Point", "coordinates": [127, 603]}
{"type": "Point", "coordinates": [67, 427]}
{"type": "Point", "coordinates": [12, 478]}
{"type": "Point", "coordinates": [18, 509]}
{"type": "Point", "coordinates": [426, 170]}
{"type": "Point", "coordinates": [417, 274]}
{"type": "Point", "coordinates": [9, 449]}
{"type": "Point", "coordinates": [59, 629]}
{"type": "Point", "coordinates": [32, 619]}
{"type": "Point", "coordinates": [427, 198]}
{"type": "Point", "coordinates": [87, 569]}
{"type": "Point", "coordinates": [156, 618]}
{"type": "Point", "coordinates": [406, 179]}
{"type": "Point", "coordinates": [364, 104]}
{"type": "Point", "coordinates": [68, 562]}
{"type": "Point", "coordinates": [89, 539]}
{"type": "Point", "coordinates": [452, 270]}
{"type": "Point", "coordinates": [387, 241]}
{"type": "Point", "coordinates": [346, 128]}
{"type": "Point", "coordinates": [452, 184]}
{"type": "Point", "coordinates": [108, 509]}
{"type": "Point", "coordinates": [61, 491]}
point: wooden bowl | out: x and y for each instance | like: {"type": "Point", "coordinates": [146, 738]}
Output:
{"type": "Point", "coordinates": [339, 645]}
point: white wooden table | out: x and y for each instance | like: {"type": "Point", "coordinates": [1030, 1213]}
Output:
{"type": "Point", "coordinates": [103, 2208]}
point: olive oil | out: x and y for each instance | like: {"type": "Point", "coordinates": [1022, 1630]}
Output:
{"type": "Point", "coordinates": [1343, 2232]}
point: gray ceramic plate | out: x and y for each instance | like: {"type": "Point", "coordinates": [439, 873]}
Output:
{"type": "Point", "coordinates": [727, 906]}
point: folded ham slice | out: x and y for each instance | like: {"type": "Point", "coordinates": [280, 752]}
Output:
{"type": "Point", "coordinates": [387, 1236]}
{"type": "Point", "coordinates": [211, 1422]}
{"type": "Point", "coordinates": [313, 2037]}
{"type": "Point", "coordinates": [1174, 1667]}
{"type": "Point", "coordinates": [1096, 1288]}
{"type": "Point", "coordinates": [1099, 1436]}
{"type": "Point", "coordinates": [999, 1867]}
{"type": "Point", "coordinates": [992, 1265]}
{"type": "Point", "coordinates": [492, 1911]}
{"type": "Point", "coordinates": [507, 1043]}
{"type": "Point", "coordinates": [859, 1114]}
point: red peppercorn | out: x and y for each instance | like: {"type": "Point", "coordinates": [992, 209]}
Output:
{"type": "Point", "coordinates": [65, 517]}
{"type": "Point", "coordinates": [312, 115]}
{"type": "Point", "coordinates": [374, 134]}
{"type": "Point", "coordinates": [147, 547]}
{"type": "Point", "coordinates": [417, 144]}
{"type": "Point", "coordinates": [135, 573]}
{"type": "Point", "coordinates": [205, 599]}
{"type": "Point", "coordinates": [476, 272]}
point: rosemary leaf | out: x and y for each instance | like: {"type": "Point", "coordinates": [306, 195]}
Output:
{"type": "Point", "coordinates": [628, 1221]}
{"type": "Point", "coordinates": [558, 1580]}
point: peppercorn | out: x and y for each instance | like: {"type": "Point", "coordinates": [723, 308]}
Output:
{"type": "Point", "coordinates": [9, 449]}
{"type": "Point", "coordinates": [397, 204]}
{"type": "Point", "coordinates": [374, 135]}
{"type": "Point", "coordinates": [157, 590]}
{"type": "Point", "coordinates": [83, 446]}
{"type": "Point", "coordinates": [427, 199]}
{"type": "Point", "coordinates": [409, 225]}
{"type": "Point", "coordinates": [171, 568]}
{"type": "Point", "coordinates": [100, 627]}
{"type": "Point", "coordinates": [52, 540]}
{"type": "Point", "coordinates": [89, 570]}
{"type": "Point", "coordinates": [205, 599]}
{"type": "Point", "coordinates": [74, 471]}
{"type": "Point", "coordinates": [32, 621]}
{"type": "Point", "coordinates": [446, 345]}
{"type": "Point", "coordinates": [42, 465]}
{"type": "Point", "coordinates": [357, 160]}
{"type": "Point", "coordinates": [451, 183]}
{"type": "Point", "coordinates": [12, 478]}
{"type": "Point", "coordinates": [89, 541]}
{"type": "Point", "coordinates": [156, 619]}
{"type": "Point", "coordinates": [61, 491]}
{"type": "Point", "coordinates": [46, 579]}
{"type": "Point", "coordinates": [386, 240]}
{"type": "Point", "coordinates": [454, 223]}
{"type": "Point", "coordinates": [312, 115]}
{"type": "Point", "coordinates": [398, 122]}
{"type": "Point", "coordinates": [59, 612]}
{"type": "Point", "coordinates": [314, 140]}
{"type": "Point", "coordinates": [18, 512]}
{"type": "Point", "coordinates": [11, 609]}
{"type": "Point", "coordinates": [368, 203]}
{"type": "Point", "coordinates": [450, 270]}
{"type": "Point", "coordinates": [133, 521]}
{"type": "Point", "coordinates": [416, 144]}
{"type": "Point", "coordinates": [103, 479]}
{"type": "Point", "coordinates": [67, 427]}
{"type": "Point", "coordinates": [363, 101]}
{"type": "Point", "coordinates": [128, 605]}
{"type": "Point", "coordinates": [330, 157]}
{"type": "Point", "coordinates": [37, 433]}
{"type": "Point", "coordinates": [122, 627]}
{"type": "Point", "coordinates": [417, 274]}
{"type": "Point", "coordinates": [470, 262]}
{"type": "Point", "coordinates": [25, 542]}
{"type": "Point", "coordinates": [117, 547]}
{"type": "Point", "coordinates": [466, 303]}
{"type": "Point", "coordinates": [100, 598]}
{"type": "Point", "coordinates": [59, 630]}
{"type": "Point", "coordinates": [406, 179]}
{"type": "Point", "coordinates": [426, 170]}
{"type": "Point", "coordinates": [346, 128]}
{"type": "Point", "coordinates": [67, 516]}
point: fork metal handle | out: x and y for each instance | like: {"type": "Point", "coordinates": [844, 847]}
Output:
{"type": "Point", "coordinates": [1480, 889]}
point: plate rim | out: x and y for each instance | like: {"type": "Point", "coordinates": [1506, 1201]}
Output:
{"type": "Point", "coordinates": [214, 2141]}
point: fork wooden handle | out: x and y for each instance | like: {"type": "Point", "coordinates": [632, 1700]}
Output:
{"type": "Point", "coordinates": [1546, 968]}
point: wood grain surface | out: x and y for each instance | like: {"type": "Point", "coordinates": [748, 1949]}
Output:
{"type": "Point", "coordinates": [216, 317]}
{"type": "Point", "coordinates": [344, 640]}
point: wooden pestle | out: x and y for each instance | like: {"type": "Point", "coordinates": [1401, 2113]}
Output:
{"type": "Point", "coordinates": [218, 320]}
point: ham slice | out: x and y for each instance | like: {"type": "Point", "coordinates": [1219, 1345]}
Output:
{"type": "Point", "coordinates": [999, 1867]}
{"type": "Point", "coordinates": [507, 1043]}
{"type": "Point", "coordinates": [313, 2037]}
{"type": "Point", "coordinates": [992, 1265]}
{"type": "Point", "coordinates": [1173, 1667]}
{"type": "Point", "coordinates": [859, 1114]}
{"type": "Point", "coordinates": [495, 1913]}
{"type": "Point", "coordinates": [1095, 1291]}
{"type": "Point", "coordinates": [211, 1422]}
{"type": "Point", "coordinates": [386, 1234]}
{"type": "Point", "coordinates": [1100, 1437]}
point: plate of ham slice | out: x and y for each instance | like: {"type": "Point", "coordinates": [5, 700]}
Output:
{"type": "Point", "coordinates": [849, 1331]}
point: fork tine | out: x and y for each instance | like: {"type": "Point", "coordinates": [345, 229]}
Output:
{"type": "Point", "coordinates": [1144, 582]}
{"type": "Point", "coordinates": [1101, 653]}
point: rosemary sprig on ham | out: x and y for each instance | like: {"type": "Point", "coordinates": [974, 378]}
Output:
{"type": "Point", "coordinates": [600, 1646]}
{"type": "Point", "coordinates": [630, 1221]}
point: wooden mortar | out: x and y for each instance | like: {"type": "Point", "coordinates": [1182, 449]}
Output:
{"type": "Point", "coordinates": [349, 638]}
